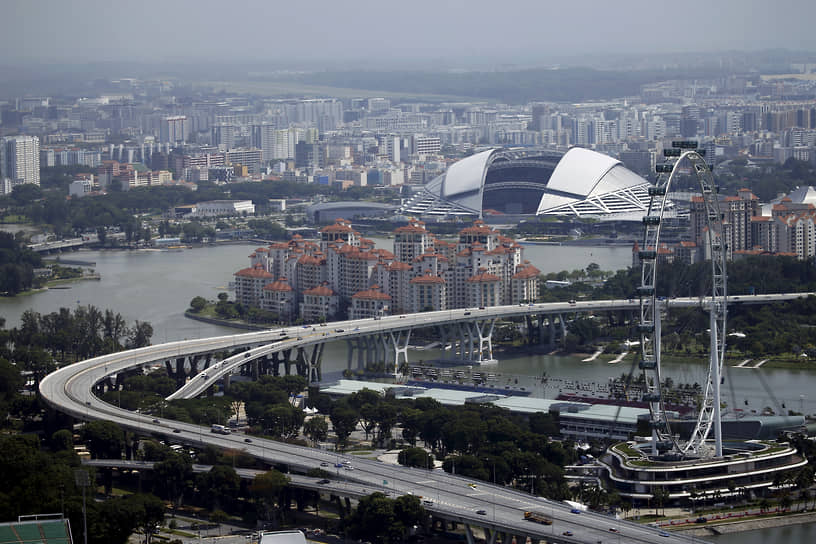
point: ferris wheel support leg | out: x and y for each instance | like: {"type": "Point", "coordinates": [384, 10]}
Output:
{"type": "Point", "coordinates": [715, 377]}
{"type": "Point", "coordinates": [656, 347]}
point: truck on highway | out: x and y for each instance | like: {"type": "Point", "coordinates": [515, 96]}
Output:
{"type": "Point", "coordinates": [538, 517]}
{"type": "Point", "coordinates": [219, 429]}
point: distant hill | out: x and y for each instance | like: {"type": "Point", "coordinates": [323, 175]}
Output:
{"type": "Point", "coordinates": [557, 85]}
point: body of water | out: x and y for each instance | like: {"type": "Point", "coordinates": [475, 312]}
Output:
{"type": "Point", "coordinates": [801, 533]}
{"type": "Point", "coordinates": [157, 286]}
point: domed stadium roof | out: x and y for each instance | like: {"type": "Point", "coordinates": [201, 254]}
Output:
{"type": "Point", "coordinates": [579, 182]}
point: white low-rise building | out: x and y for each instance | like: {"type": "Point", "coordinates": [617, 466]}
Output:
{"type": "Point", "coordinates": [216, 208]}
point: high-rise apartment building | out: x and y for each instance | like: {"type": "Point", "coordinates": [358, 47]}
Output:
{"type": "Point", "coordinates": [20, 159]}
{"type": "Point", "coordinates": [174, 129]}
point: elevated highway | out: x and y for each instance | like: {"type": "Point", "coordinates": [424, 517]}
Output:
{"type": "Point", "coordinates": [475, 324]}
{"type": "Point", "coordinates": [497, 509]}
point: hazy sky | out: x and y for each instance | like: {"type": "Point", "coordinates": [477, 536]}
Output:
{"type": "Point", "coordinates": [497, 30]}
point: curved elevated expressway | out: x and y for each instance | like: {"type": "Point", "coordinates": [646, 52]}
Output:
{"type": "Point", "coordinates": [497, 509]}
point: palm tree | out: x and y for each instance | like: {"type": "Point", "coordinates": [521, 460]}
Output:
{"type": "Point", "coordinates": [660, 495]}
{"type": "Point", "coordinates": [804, 495]}
{"type": "Point", "coordinates": [785, 502]}
{"type": "Point", "coordinates": [731, 487]}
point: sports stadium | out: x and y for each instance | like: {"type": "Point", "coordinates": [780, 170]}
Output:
{"type": "Point", "coordinates": [526, 182]}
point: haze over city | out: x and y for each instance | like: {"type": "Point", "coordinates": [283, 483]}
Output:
{"type": "Point", "coordinates": [475, 31]}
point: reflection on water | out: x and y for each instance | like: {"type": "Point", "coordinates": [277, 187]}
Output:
{"type": "Point", "coordinates": [802, 533]}
{"type": "Point", "coordinates": [157, 286]}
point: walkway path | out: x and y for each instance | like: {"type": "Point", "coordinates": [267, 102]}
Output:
{"type": "Point", "coordinates": [619, 358]}
{"type": "Point", "coordinates": [759, 364]}
{"type": "Point", "coordinates": [742, 364]}
{"type": "Point", "coordinates": [593, 356]}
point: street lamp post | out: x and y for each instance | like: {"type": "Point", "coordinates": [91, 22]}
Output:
{"type": "Point", "coordinates": [83, 480]}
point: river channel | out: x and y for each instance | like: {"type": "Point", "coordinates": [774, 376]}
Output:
{"type": "Point", "coordinates": [157, 286]}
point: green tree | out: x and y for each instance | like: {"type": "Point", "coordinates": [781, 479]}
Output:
{"type": "Point", "coordinates": [785, 502]}
{"type": "Point", "coordinates": [140, 335]}
{"type": "Point", "coordinates": [267, 490]}
{"type": "Point", "coordinates": [149, 511]}
{"type": "Point", "coordinates": [317, 429]}
{"type": "Point", "coordinates": [173, 477]}
{"type": "Point", "coordinates": [105, 439]}
{"type": "Point", "coordinates": [198, 304]}
{"type": "Point", "coordinates": [415, 457]}
{"type": "Point", "coordinates": [284, 420]}
{"type": "Point", "coordinates": [344, 420]}
{"type": "Point", "coordinates": [218, 487]}
{"type": "Point", "coordinates": [62, 440]}
{"type": "Point", "coordinates": [114, 520]}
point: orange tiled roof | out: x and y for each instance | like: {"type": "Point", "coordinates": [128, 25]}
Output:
{"type": "Point", "coordinates": [428, 278]}
{"type": "Point", "coordinates": [371, 294]}
{"type": "Point", "coordinates": [320, 291]}
{"type": "Point", "coordinates": [281, 285]}
{"type": "Point", "coordinates": [397, 266]}
{"type": "Point", "coordinates": [483, 277]}
{"type": "Point", "coordinates": [256, 271]}
{"type": "Point", "coordinates": [527, 272]}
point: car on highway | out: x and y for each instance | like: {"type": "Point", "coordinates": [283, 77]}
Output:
{"type": "Point", "coordinates": [613, 530]}
{"type": "Point", "coordinates": [701, 519]}
{"type": "Point", "coordinates": [338, 465]}
{"type": "Point", "coordinates": [466, 313]}
{"type": "Point", "coordinates": [481, 512]}
{"type": "Point", "coordinates": [248, 440]}
{"type": "Point", "coordinates": [349, 467]}
{"type": "Point", "coordinates": [427, 502]}
{"type": "Point", "coordinates": [664, 533]}
{"type": "Point", "coordinates": [575, 511]}
{"type": "Point", "coordinates": [157, 422]}
{"type": "Point", "coordinates": [176, 431]}
{"type": "Point", "coordinates": [324, 464]}
{"type": "Point", "coordinates": [572, 301]}
{"type": "Point", "coordinates": [324, 481]}
{"type": "Point", "coordinates": [567, 533]}
{"type": "Point", "coordinates": [338, 330]}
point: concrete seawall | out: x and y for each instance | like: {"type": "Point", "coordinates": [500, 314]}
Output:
{"type": "Point", "coordinates": [749, 525]}
{"type": "Point", "coordinates": [226, 323]}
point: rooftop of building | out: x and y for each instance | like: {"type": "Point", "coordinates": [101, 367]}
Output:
{"type": "Point", "coordinates": [280, 285]}
{"type": "Point", "coordinates": [256, 271]}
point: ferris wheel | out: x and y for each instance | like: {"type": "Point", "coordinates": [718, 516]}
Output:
{"type": "Point", "coordinates": [682, 157]}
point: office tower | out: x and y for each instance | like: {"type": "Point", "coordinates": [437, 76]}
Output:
{"type": "Point", "coordinates": [20, 159]}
